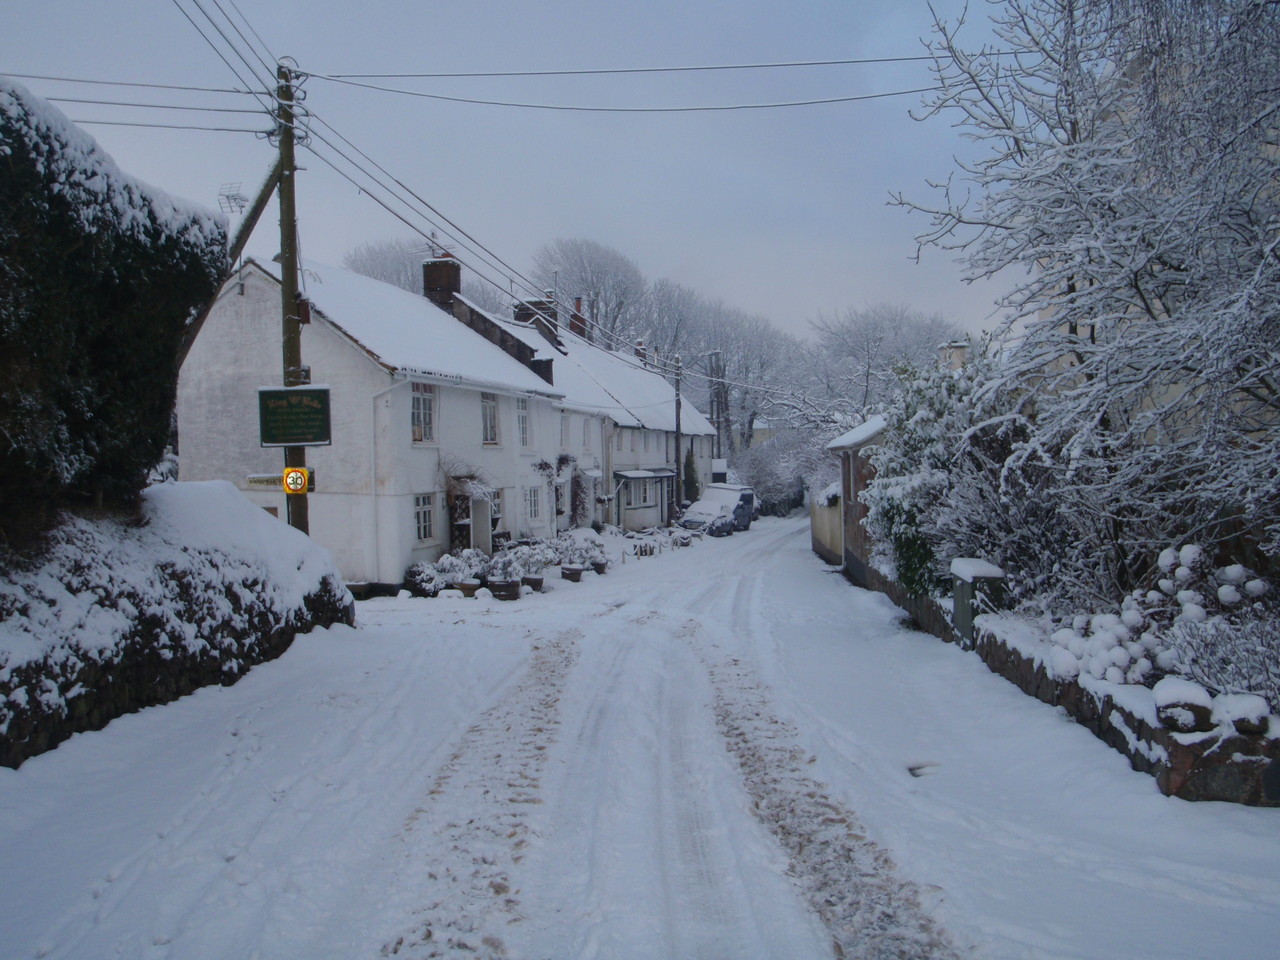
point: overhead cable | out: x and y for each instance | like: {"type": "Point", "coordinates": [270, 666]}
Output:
{"type": "Point", "coordinates": [157, 106]}
{"type": "Point", "coordinates": [577, 108]}
{"type": "Point", "coordinates": [128, 83]}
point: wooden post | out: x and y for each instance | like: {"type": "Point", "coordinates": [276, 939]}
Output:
{"type": "Point", "coordinates": [294, 373]}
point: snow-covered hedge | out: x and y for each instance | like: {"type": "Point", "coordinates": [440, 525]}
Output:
{"type": "Point", "coordinates": [118, 614]}
{"type": "Point", "coordinates": [100, 276]}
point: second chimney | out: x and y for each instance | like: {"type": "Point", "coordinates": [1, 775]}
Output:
{"type": "Point", "coordinates": [577, 322]}
{"type": "Point", "coordinates": [441, 281]}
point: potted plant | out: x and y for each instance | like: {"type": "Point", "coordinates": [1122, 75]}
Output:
{"type": "Point", "coordinates": [460, 572]}
{"type": "Point", "coordinates": [593, 553]}
{"type": "Point", "coordinates": [503, 573]}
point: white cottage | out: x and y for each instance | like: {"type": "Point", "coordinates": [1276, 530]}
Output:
{"type": "Point", "coordinates": [617, 421]}
{"type": "Point", "coordinates": [451, 427]}
{"type": "Point", "coordinates": [439, 437]}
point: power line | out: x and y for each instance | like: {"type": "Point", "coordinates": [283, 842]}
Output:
{"type": "Point", "coordinates": [621, 347]}
{"type": "Point", "coordinates": [625, 70]}
{"type": "Point", "coordinates": [266, 65]}
{"type": "Point", "coordinates": [127, 83]}
{"type": "Point", "coordinates": [267, 100]}
{"type": "Point", "coordinates": [585, 109]}
{"type": "Point", "coordinates": [157, 106]}
{"type": "Point", "coordinates": [172, 126]}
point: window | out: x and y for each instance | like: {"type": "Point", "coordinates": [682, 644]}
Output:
{"type": "Point", "coordinates": [618, 439]}
{"type": "Point", "coordinates": [564, 431]}
{"type": "Point", "coordinates": [646, 440]}
{"type": "Point", "coordinates": [633, 441]}
{"type": "Point", "coordinates": [489, 417]}
{"type": "Point", "coordinates": [639, 493]}
{"type": "Point", "coordinates": [533, 503]}
{"type": "Point", "coordinates": [586, 433]}
{"type": "Point", "coordinates": [522, 421]}
{"type": "Point", "coordinates": [562, 497]}
{"type": "Point", "coordinates": [423, 416]}
{"type": "Point", "coordinates": [424, 516]}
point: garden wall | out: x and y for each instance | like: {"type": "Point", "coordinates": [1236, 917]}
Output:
{"type": "Point", "coordinates": [1224, 763]}
{"type": "Point", "coordinates": [117, 615]}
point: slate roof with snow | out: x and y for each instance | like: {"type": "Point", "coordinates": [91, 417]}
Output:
{"type": "Point", "coordinates": [859, 435]}
{"type": "Point", "coordinates": [409, 333]}
{"type": "Point", "coordinates": [598, 381]}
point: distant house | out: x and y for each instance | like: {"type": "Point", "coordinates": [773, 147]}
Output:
{"type": "Point", "coordinates": [451, 427]}
{"type": "Point", "coordinates": [854, 547]}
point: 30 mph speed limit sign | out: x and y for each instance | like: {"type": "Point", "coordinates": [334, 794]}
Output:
{"type": "Point", "coordinates": [297, 480]}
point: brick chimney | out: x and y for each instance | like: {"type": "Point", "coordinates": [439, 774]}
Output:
{"type": "Point", "coordinates": [441, 281]}
{"type": "Point", "coordinates": [542, 314]}
{"type": "Point", "coordinates": [577, 322]}
{"type": "Point", "coordinates": [642, 352]}
{"type": "Point", "coordinates": [954, 354]}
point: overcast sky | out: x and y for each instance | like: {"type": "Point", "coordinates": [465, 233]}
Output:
{"type": "Point", "coordinates": [777, 212]}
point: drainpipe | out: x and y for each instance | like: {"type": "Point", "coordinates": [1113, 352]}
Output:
{"type": "Point", "coordinates": [373, 470]}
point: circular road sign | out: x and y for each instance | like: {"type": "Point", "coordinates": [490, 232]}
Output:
{"type": "Point", "coordinates": [295, 480]}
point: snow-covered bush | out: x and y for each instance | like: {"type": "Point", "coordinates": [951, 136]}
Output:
{"type": "Point", "coordinates": [912, 461]}
{"type": "Point", "coordinates": [1219, 626]}
{"type": "Point", "coordinates": [425, 580]}
{"type": "Point", "coordinates": [461, 566]}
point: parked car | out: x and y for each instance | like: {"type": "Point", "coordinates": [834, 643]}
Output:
{"type": "Point", "coordinates": [713, 517]}
{"type": "Point", "coordinates": [741, 500]}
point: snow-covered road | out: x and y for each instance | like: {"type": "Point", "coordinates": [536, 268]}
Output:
{"type": "Point", "coordinates": [724, 751]}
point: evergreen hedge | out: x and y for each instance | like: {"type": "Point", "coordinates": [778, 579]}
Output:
{"type": "Point", "coordinates": [99, 275]}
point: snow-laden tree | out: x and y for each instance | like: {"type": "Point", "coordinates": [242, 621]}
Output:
{"type": "Point", "coordinates": [610, 284]}
{"type": "Point", "coordinates": [860, 348]}
{"type": "Point", "coordinates": [397, 262]}
{"type": "Point", "coordinates": [1129, 183]}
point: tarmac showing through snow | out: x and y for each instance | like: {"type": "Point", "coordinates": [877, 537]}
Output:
{"type": "Point", "coordinates": [718, 752]}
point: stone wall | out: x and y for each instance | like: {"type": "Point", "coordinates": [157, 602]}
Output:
{"type": "Point", "coordinates": [1225, 764]}
{"type": "Point", "coordinates": [47, 701]}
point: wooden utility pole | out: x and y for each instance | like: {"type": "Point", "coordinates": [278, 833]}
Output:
{"type": "Point", "coordinates": [678, 498]}
{"type": "Point", "coordinates": [294, 373]}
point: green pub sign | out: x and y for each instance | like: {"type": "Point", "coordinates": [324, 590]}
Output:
{"type": "Point", "coordinates": [294, 416]}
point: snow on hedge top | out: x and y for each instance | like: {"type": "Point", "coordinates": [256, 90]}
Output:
{"type": "Point", "coordinates": [77, 597]}
{"type": "Point", "coordinates": [860, 434]}
{"type": "Point", "coordinates": [95, 188]}
{"type": "Point", "coordinates": [409, 332]}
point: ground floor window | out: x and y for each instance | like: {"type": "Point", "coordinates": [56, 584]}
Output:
{"type": "Point", "coordinates": [533, 503]}
{"type": "Point", "coordinates": [639, 493]}
{"type": "Point", "coordinates": [424, 516]}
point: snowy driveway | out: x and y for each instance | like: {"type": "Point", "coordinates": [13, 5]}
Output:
{"type": "Point", "coordinates": [724, 751]}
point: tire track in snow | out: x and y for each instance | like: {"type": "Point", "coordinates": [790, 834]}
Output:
{"type": "Point", "coordinates": [647, 847]}
{"type": "Point", "coordinates": [471, 831]}
{"type": "Point", "coordinates": [849, 880]}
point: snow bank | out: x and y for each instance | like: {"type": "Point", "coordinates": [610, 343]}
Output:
{"type": "Point", "coordinates": [122, 614]}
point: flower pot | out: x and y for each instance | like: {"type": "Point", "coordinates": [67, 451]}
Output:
{"type": "Point", "coordinates": [534, 581]}
{"type": "Point", "coordinates": [571, 571]}
{"type": "Point", "coordinates": [599, 566]}
{"type": "Point", "coordinates": [468, 587]}
{"type": "Point", "coordinates": [505, 589]}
